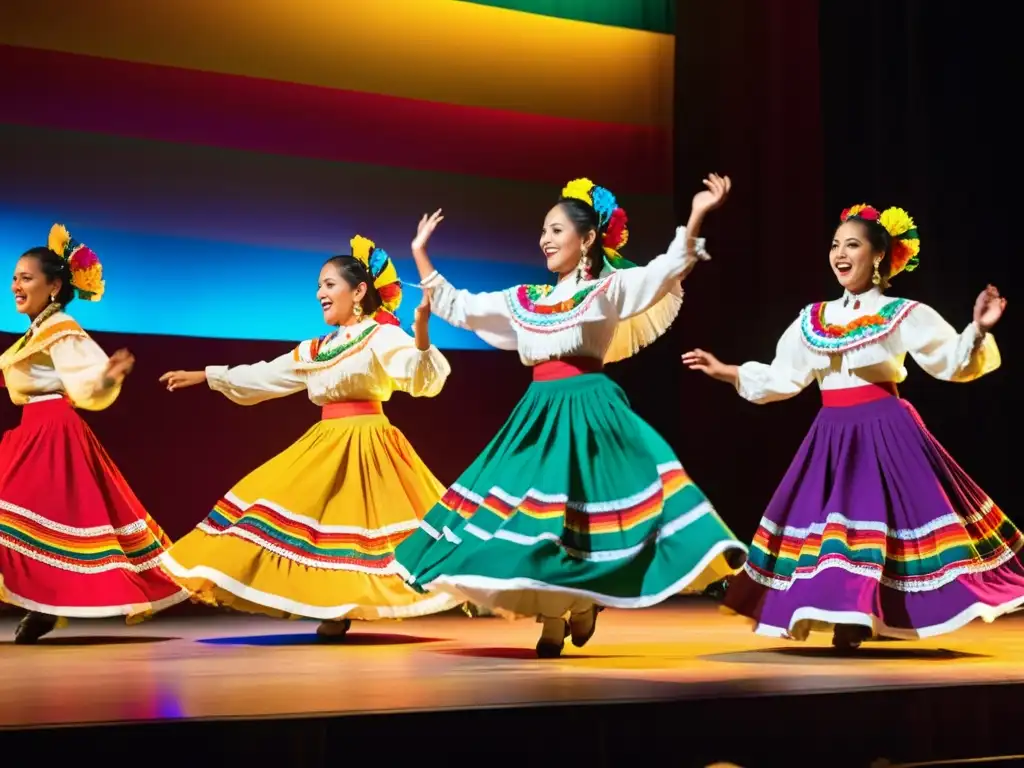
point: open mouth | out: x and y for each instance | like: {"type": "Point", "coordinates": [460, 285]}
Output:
{"type": "Point", "coordinates": [550, 251]}
{"type": "Point", "coordinates": [326, 304]}
{"type": "Point", "coordinates": [844, 267]}
{"type": "Point", "coordinates": [20, 298]}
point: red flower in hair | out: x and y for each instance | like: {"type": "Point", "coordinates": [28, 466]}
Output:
{"type": "Point", "coordinates": [614, 233]}
{"type": "Point", "coordinates": [383, 317]}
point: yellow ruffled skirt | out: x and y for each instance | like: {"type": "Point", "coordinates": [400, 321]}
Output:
{"type": "Point", "coordinates": [312, 533]}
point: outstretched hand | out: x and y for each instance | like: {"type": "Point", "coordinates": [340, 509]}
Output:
{"type": "Point", "coordinates": [427, 225]}
{"type": "Point", "coordinates": [705, 362]}
{"type": "Point", "coordinates": [119, 365]}
{"type": "Point", "coordinates": [988, 308]}
{"type": "Point", "coordinates": [707, 200]}
{"type": "Point", "coordinates": [181, 379]}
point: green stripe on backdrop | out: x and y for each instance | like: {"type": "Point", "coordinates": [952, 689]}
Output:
{"type": "Point", "coordinates": [645, 15]}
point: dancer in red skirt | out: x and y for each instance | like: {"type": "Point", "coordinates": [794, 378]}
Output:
{"type": "Point", "coordinates": [74, 539]}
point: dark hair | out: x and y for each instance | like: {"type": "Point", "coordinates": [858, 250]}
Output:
{"type": "Point", "coordinates": [584, 219]}
{"type": "Point", "coordinates": [54, 267]}
{"type": "Point", "coordinates": [354, 272]}
{"type": "Point", "coordinates": [880, 241]}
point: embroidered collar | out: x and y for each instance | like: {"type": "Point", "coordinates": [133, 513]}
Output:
{"type": "Point", "coordinates": [53, 328]}
{"type": "Point", "coordinates": [822, 336]}
{"type": "Point", "coordinates": [526, 310]}
{"type": "Point", "coordinates": [329, 349]}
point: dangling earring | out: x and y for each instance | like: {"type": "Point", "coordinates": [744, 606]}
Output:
{"type": "Point", "coordinates": [53, 298]}
{"type": "Point", "coordinates": [581, 267]}
{"type": "Point", "coordinates": [876, 278]}
{"type": "Point", "coordinates": [357, 309]}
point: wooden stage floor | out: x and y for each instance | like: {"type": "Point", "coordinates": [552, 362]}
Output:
{"type": "Point", "coordinates": [227, 666]}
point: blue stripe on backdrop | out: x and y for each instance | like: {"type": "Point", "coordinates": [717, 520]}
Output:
{"type": "Point", "coordinates": [162, 285]}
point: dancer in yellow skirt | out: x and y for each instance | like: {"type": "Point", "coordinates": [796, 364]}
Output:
{"type": "Point", "coordinates": [312, 532]}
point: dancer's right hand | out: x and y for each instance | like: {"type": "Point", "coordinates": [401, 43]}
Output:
{"type": "Point", "coordinates": [425, 229]}
{"type": "Point", "coordinates": [705, 362]}
{"type": "Point", "coordinates": [181, 379]}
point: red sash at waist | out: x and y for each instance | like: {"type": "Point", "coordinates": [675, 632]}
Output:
{"type": "Point", "coordinates": [566, 367]}
{"type": "Point", "coordinates": [351, 408]}
{"type": "Point", "coordinates": [869, 393]}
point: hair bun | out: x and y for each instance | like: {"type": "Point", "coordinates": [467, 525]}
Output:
{"type": "Point", "coordinates": [382, 271]}
{"type": "Point", "coordinates": [906, 244]}
{"type": "Point", "coordinates": [612, 219]}
{"type": "Point", "coordinates": [83, 263]}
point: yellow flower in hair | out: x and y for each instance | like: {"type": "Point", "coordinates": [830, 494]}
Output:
{"type": "Point", "coordinates": [579, 189]}
{"type": "Point", "coordinates": [896, 221]}
{"type": "Point", "coordinates": [361, 249]}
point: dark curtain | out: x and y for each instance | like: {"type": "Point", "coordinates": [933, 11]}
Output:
{"type": "Point", "coordinates": [917, 100]}
{"type": "Point", "coordinates": [747, 104]}
{"type": "Point", "coordinates": [812, 106]}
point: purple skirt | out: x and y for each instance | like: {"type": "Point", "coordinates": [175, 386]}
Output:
{"type": "Point", "coordinates": [876, 525]}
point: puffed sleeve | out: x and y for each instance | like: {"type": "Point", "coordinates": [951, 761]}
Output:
{"type": "Point", "coordinates": [633, 291]}
{"type": "Point", "coordinates": [420, 373]}
{"type": "Point", "coordinates": [486, 314]}
{"type": "Point", "coordinates": [942, 352]}
{"type": "Point", "coordinates": [81, 365]}
{"type": "Point", "coordinates": [787, 375]}
{"type": "Point", "coordinates": [256, 383]}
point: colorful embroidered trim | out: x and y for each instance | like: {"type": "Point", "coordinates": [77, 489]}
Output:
{"type": "Point", "coordinates": [132, 547]}
{"type": "Point", "coordinates": [909, 561]}
{"type": "Point", "coordinates": [822, 336]}
{"type": "Point", "coordinates": [318, 353]}
{"type": "Point", "coordinates": [581, 521]}
{"type": "Point", "coordinates": [305, 542]}
{"type": "Point", "coordinates": [525, 310]}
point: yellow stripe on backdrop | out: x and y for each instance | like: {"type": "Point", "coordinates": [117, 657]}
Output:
{"type": "Point", "coordinates": [436, 50]}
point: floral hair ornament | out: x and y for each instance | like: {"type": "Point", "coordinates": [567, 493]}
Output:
{"type": "Point", "coordinates": [611, 218]}
{"type": "Point", "coordinates": [84, 264]}
{"type": "Point", "coordinates": [906, 244]}
{"type": "Point", "coordinates": [384, 275]}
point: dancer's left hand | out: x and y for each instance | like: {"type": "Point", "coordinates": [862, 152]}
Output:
{"type": "Point", "coordinates": [119, 366]}
{"type": "Point", "coordinates": [988, 308]}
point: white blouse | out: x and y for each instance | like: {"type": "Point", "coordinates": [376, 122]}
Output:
{"type": "Point", "coordinates": [610, 318]}
{"type": "Point", "coordinates": [60, 359]}
{"type": "Point", "coordinates": [367, 361]}
{"type": "Point", "coordinates": [841, 347]}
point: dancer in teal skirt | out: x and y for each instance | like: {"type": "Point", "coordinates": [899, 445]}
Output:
{"type": "Point", "coordinates": [576, 503]}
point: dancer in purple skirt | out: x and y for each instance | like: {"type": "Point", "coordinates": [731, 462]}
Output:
{"type": "Point", "coordinates": [875, 529]}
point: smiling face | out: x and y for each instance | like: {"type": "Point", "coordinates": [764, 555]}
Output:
{"type": "Point", "coordinates": [336, 296]}
{"type": "Point", "coordinates": [30, 286]}
{"type": "Point", "coordinates": [852, 256]}
{"type": "Point", "coordinates": [562, 243]}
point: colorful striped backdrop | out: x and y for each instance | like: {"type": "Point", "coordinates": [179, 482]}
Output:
{"type": "Point", "coordinates": [213, 153]}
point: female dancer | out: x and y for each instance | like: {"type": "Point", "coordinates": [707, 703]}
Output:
{"type": "Point", "coordinates": [312, 532]}
{"type": "Point", "coordinates": [875, 529]}
{"type": "Point", "coordinates": [576, 503]}
{"type": "Point", "coordinates": [74, 539]}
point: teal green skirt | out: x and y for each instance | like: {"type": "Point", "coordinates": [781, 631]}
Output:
{"type": "Point", "coordinates": [575, 501]}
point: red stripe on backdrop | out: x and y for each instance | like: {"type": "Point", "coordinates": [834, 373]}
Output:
{"type": "Point", "coordinates": [85, 93]}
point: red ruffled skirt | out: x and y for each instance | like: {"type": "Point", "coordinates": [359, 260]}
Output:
{"type": "Point", "coordinates": [74, 540]}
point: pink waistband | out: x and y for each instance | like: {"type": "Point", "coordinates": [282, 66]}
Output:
{"type": "Point", "coordinates": [869, 393]}
{"type": "Point", "coordinates": [351, 408]}
{"type": "Point", "coordinates": [566, 367]}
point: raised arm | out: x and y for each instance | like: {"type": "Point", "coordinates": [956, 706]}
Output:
{"type": "Point", "coordinates": [947, 355]}
{"type": "Point", "coordinates": [787, 375]}
{"type": "Point", "coordinates": [414, 365]}
{"type": "Point", "coordinates": [90, 379]}
{"type": "Point", "coordinates": [634, 291]}
{"type": "Point", "coordinates": [486, 314]}
{"type": "Point", "coordinates": [244, 384]}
